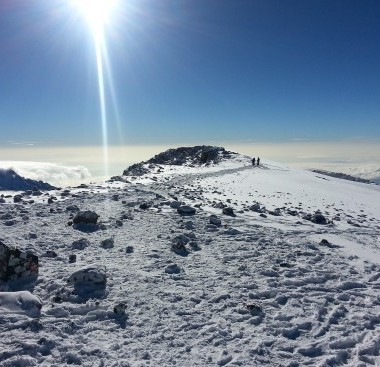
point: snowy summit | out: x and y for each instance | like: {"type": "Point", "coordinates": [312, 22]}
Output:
{"type": "Point", "coordinates": [195, 257]}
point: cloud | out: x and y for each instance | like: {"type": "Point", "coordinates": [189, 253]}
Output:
{"type": "Point", "coordinates": [55, 174]}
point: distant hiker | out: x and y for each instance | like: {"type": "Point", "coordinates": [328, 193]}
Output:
{"type": "Point", "coordinates": [258, 161]}
{"type": "Point", "coordinates": [253, 161]}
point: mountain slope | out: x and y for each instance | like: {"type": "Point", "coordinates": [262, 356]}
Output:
{"type": "Point", "coordinates": [259, 284]}
{"type": "Point", "coordinates": [10, 180]}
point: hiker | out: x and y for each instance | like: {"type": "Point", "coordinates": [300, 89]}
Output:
{"type": "Point", "coordinates": [253, 161]}
{"type": "Point", "coordinates": [258, 161]}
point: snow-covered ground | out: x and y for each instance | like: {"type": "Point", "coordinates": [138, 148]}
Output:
{"type": "Point", "coordinates": [260, 289]}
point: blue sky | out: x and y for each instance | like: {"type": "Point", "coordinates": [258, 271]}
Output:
{"type": "Point", "coordinates": [192, 71]}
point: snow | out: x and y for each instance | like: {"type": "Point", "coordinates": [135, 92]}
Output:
{"type": "Point", "coordinates": [248, 291]}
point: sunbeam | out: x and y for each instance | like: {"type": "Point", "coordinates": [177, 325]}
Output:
{"type": "Point", "coordinates": [98, 13]}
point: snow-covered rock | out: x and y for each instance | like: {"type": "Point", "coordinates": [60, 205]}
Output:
{"type": "Point", "coordinates": [22, 302]}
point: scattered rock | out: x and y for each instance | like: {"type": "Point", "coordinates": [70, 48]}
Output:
{"type": "Point", "coordinates": [80, 244]}
{"type": "Point", "coordinates": [120, 309]}
{"type": "Point", "coordinates": [216, 221]}
{"type": "Point", "coordinates": [72, 258]}
{"type": "Point", "coordinates": [318, 218]}
{"type": "Point", "coordinates": [229, 211]}
{"type": "Point", "coordinates": [88, 217]}
{"type": "Point", "coordinates": [107, 243]}
{"type": "Point", "coordinates": [186, 210]}
{"type": "Point", "coordinates": [89, 275]}
{"type": "Point", "coordinates": [173, 269]}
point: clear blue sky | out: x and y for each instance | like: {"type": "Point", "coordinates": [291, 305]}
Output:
{"type": "Point", "coordinates": [193, 71]}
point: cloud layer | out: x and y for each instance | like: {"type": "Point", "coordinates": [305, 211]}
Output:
{"type": "Point", "coordinates": [55, 174]}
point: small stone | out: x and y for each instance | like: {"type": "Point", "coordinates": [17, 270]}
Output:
{"type": "Point", "coordinates": [80, 244]}
{"type": "Point", "coordinates": [72, 258]}
{"type": "Point", "coordinates": [229, 211]}
{"type": "Point", "coordinates": [173, 269]}
{"type": "Point", "coordinates": [186, 210]}
{"type": "Point", "coordinates": [107, 243]}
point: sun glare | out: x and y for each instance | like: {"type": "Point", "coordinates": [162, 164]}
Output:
{"type": "Point", "coordinates": [96, 12]}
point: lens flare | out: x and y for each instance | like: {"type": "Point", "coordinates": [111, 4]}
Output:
{"type": "Point", "coordinates": [98, 13]}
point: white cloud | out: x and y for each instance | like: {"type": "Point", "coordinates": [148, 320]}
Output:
{"type": "Point", "coordinates": [55, 174]}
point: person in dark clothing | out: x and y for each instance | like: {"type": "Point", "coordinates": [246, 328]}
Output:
{"type": "Point", "coordinates": [258, 161]}
{"type": "Point", "coordinates": [253, 161]}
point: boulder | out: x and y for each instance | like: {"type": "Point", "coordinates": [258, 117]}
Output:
{"type": "Point", "coordinates": [186, 210]}
{"type": "Point", "coordinates": [87, 217]}
{"type": "Point", "coordinates": [88, 276]}
{"type": "Point", "coordinates": [23, 302]}
{"type": "Point", "coordinates": [229, 211]}
{"type": "Point", "coordinates": [318, 218]}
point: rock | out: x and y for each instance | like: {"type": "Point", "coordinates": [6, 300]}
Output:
{"type": "Point", "coordinates": [324, 242]}
{"type": "Point", "coordinates": [175, 204]}
{"type": "Point", "coordinates": [276, 212]}
{"type": "Point", "coordinates": [181, 239]}
{"type": "Point", "coordinates": [88, 217]}
{"type": "Point", "coordinates": [215, 220]}
{"type": "Point", "coordinates": [255, 207]}
{"type": "Point", "coordinates": [318, 218]}
{"type": "Point", "coordinates": [189, 225]}
{"type": "Point", "coordinates": [23, 302]}
{"type": "Point", "coordinates": [107, 243]}
{"type": "Point", "coordinates": [89, 275]}
{"type": "Point", "coordinates": [229, 211]}
{"type": "Point", "coordinates": [16, 265]}
{"type": "Point", "coordinates": [145, 205]}
{"type": "Point", "coordinates": [72, 258]}
{"type": "Point", "coordinates": [129, 249]}
{"type": "Point", "coordinates": [17, 199]}
{"type": "Point", "coordinates": [186, 210]}
{"type": "Point", "coordinates": [50, 253]}
{"type": "Point", "coordinates": [179, 248]}
{"type": "Point", "coordinates": [72, 208]}
{"type": "Point", "coordinates": [80, 244]}
{"type": "Point", "coordinates": [173, 269]}
{"type": "Point", "coordinates": [263, 215]}
{"type": "Point", "coordinates": [120, 309]}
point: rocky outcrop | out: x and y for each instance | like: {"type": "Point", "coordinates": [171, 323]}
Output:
{"type": "Point", "coordinates": [10, 180]}
{"type": "Point", "coordinates": [197, 155]}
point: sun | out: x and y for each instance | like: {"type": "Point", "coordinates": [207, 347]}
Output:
{"type": "Point", "coordinates": [96, 12]}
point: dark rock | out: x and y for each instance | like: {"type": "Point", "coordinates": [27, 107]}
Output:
{"type": "Point", "coordinates": [229, 211]}
{"type": "Point", "coordinates": [72, 208]}
{"type": "Point", "coordinates": [186, 210]}
{"type": "Point", "coordinates": [10, 180]}
{"type": "Point", "coordinates": [86, 217]}
{"type": "Point", "coordinates": [129, 249]}
{"type": "Point", "coordinates": [72, 258]}
{"type": "Point", "coordinates": [51, 254]}
{"type": "Point", "coordinates": [216, 221]}
{"type": "Point", "coordinates": [173, 269]}
{"type": "Point", "coordinates": [145, 205]}
{"type": "Point", "coordinates": [80, 244]}
{"type": "Point", "coordinates": [318, 218]}
{"type": "Point", "coordinates": [107, 243]}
